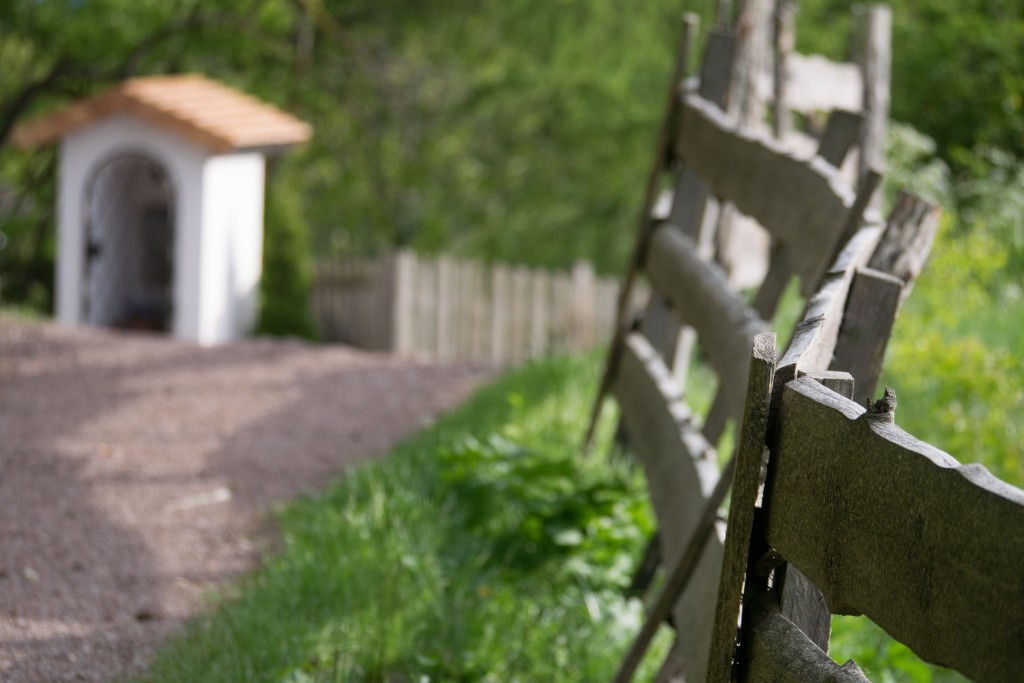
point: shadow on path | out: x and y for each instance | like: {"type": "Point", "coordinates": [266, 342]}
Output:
{"type": "Point", "coordinates": [136, 472]}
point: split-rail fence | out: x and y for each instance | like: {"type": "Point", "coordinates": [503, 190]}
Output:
{"type": "Point", "coordinates": [834, 510]}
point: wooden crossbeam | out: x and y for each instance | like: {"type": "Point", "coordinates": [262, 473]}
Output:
{"type": "Point", "coordinates": [682, 473]}
{"type": "Point", "coordinates": [893, 528]}
{"type": "Point", "coordinates": [803, 202]}
{"type": "Point", "coordinates": [661, 155]}
{"type": "Point", "coordinates": [701, 297]}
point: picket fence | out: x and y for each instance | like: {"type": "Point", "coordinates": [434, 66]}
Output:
{"type": "Point", "coordinates": [448, 309]}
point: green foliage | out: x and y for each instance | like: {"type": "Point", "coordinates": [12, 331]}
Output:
{"type": "Point", "coordinates": [957, 67]}
{"type": "Point", "coordinates": [881, 658]}
{"type": "Point", "coordinates": [541, 508]}
{"type": "Point", "coordinates": [467, 554]}
{"type": "Point", "coordinates": [955, 359]}
{"type": "Point", "coordinates": [515, 130]}
{"type": "Point", "coordinates": [286, 285]}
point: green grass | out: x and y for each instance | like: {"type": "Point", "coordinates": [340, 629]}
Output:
{"type": "Point", "coordinates": [486, 549]}
{"type": "Point", "coordinates": [483, 549]}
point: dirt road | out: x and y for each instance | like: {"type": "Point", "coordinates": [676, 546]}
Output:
{"type": "Point", "coordinates": [136, 473]}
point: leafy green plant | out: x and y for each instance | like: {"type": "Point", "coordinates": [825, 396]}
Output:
{"type": "Point", "coordinates": [464, 555]}
{"type": "Point", "coordinates": [286, 284]}
{"type": "Point", "coordinates": [543, 509]}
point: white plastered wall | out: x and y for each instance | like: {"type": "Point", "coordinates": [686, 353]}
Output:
{"type": "Point", "coordinates": [232, 246]}
{"type": "Point", "coordinates": [82, 154]}
{"type": "Point", "coordinates": [217, 210]}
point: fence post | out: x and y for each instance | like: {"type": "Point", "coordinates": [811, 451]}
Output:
{"type": "Point", "coordinates": [403, 274]}
{"type": "Point", "coordinates": [583, 335]}
{"type": "Point", "coordinates": [499, 314]}
{"type": "Point", "coordinates": [876, 67]}
{"type": "Point", "coordinates": [539, 314]}
{"type": "Point", "coordinates": [445, 294]}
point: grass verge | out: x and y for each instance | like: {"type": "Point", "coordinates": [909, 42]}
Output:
{"type": "Point", "coordinates": [483, 549]}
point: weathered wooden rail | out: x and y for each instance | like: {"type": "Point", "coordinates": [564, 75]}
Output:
{"type": "Point", "coordinates": [881, 523]}
{"type": "Point", "coordinates": [855, 269]}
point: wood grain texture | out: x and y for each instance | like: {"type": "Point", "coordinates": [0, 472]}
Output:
{"type": "Point", "coordinates": [893, 528]}
{"type": "Point", "coordinates": [681, 474]}
{"type": "Point", "coordinates": [660, 325]}
{"type": "Point", "coordinates": [741, 508]}
{"type": "Point", "coordinates": [870, 314]}
{"type": "Point", "coordinates": [802, 202]}
{"type": "Point", "coordinates": [703, 300]}
{"type": "Point", "coordinates": [816, 335]}
{"type": "Point", "coordinates": [779, 652]}
{"type": "Point", "coordinates": [837, 380]}
{"type": "Point", "coordinates": [842, 131]}
{"type": "Point", "coordinates": [877, 67]}
{"type": "Point", "coordinates": [803, 605]}
{"type": "Point", "coordinates": [783, 43]}
{"type": "Point", "coordinates": [910, 232]}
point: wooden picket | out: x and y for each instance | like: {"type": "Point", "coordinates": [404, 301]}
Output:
{"type": "Point", "coordinates": [449, 309]}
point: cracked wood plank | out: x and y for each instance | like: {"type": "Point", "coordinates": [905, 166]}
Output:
{"type": "Point", "coordinates": [894, 528]}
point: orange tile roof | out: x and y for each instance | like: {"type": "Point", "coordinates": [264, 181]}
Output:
{"type": "Point", "coordinates": [208, 113]}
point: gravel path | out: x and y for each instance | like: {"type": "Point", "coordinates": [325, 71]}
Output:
{"type": "Point", "coordinates": [136, 474]}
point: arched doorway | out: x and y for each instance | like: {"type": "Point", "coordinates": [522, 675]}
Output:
{"type": "Point", "coordinates": [129, 245]}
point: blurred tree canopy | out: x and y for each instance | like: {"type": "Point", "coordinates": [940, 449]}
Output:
{"type": "Point", "coordinates": [513, 129]}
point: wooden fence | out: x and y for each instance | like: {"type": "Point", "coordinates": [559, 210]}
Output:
{"type": "Point", "coordinates": [833, 510]}
{"type": "Point", "coordinates": [447, 309]}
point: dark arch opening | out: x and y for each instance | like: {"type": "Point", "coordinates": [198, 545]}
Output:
{"type": "Point", "coordinates": [130, 245]}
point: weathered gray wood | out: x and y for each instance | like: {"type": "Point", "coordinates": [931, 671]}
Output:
{"type": "Point", "coordinates": [500, 298]}
{"type": "Point", "coordinates": [802, 603]}
{"type": "Point", "coordinates": [703, 300]}
{"type": "Point", "coordinates": [678, 579]}
{"type": "Point", "coordinates": [876, 68]}
{"type": "Point", "coordinates": [838, 381]}
{"type": "Point", "coordinates": [583, 313]}
{"type": "Point", "coordinates": [908, 238]}
{"type": "Point", "coordinates": [426, 306]}
{"type": "Point", "coordinates": [724, 12]}
{"type": "Point", "coordinates": [694, 211]}
{"type": "Point", "coordinates": [876, 296]}
{"type": "Point", "coordinates": [718, 416]}
{"type": "Point", "coordinates": [775, 281]}
{"type": "Point", "coordinates": [893, 528]}
{"type": "Point", "coordinates": [671, 670]}
{"type": "Point", "coordinates": [815, 337]}
{"type": "Point", "coordinates": [753, 56]}
{"type": "Point", "coordinates": [540, 289]}
{"type": "Point", "coordinates": [741, 508]}
{"type": "Point", "coordinates": [717, 67]}
{"type": "Point", "coordinates": [778, 652]}
{"type": "Point", "coordinates": [405, 300]}
{"type": "Point", "coordinates": [662, 153]}
{"type": "Point", "coordinates": [660, 325]}
{"type": "Point", "coordinates": [819, 84]}
{"type": "Point", "coordinates": [782, 45]}
{"type": "Point", "coordinates": [802, 202]}
{"type": "Point", "coordinates": [867, 324]}
{"type": "Point", "coordinates": [682, 476]}
{"type": "Point", "coordinates": [444, 326]}
{"type": "Point", "coordinates": [842, 130]}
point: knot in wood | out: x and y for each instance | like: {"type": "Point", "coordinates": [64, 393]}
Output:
{"type": "Point", "coordinates": [884, 409]}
